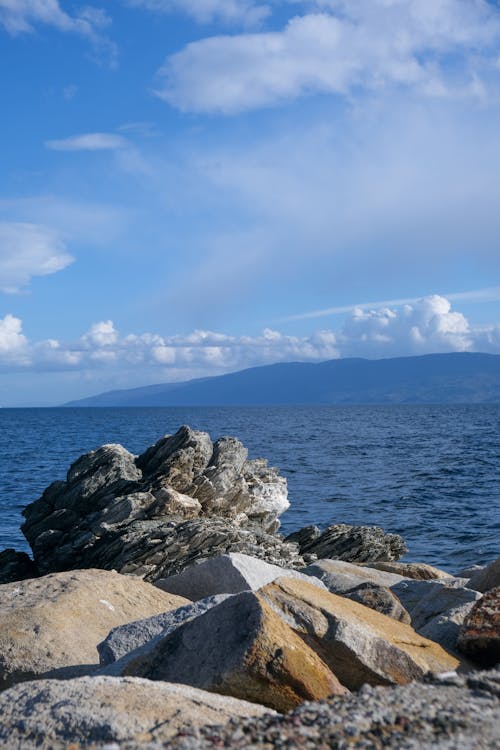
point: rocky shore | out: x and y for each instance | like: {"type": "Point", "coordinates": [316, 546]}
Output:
{"type": "Point", "coordinates": [162, 608]}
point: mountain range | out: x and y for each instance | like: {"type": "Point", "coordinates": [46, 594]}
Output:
{"type": "Point", "coordinates": [432, 378]}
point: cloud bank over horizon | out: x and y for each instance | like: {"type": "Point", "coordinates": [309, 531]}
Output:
{"type": "Point", "coordinates": [430, 325]}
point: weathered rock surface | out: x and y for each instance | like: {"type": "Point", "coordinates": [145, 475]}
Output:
{"type": "Point", "coordinates": [349, 543]}
{"type": "Point", "coordinates": [184, 499]}
{"type": "Point", "coordinates": [437, 608]}
{"type": "Point", "coordinates": [457, 713]}
{"type": "Point", "coordinates": [379, 598]}
{"type": "Point", "coordinates": [243, 649]}
{"type": "Point", "coordinates": [55, 714]}
{"type": "Point", "coordinates": [358, 644]}
{"type": "Point", "coordinates": [51, 626]}
{"type": "Point", "coordinates": [126, 638]}
{"type": "Point", "coordinates": [340, 577]}
{"type": "Point", "coordinates": [16, 566]}
{"type": "Point", "coordinates": [479, 636]}
{"type": "Point", "coordinates": [486, 578]}
{"type": "Point", "coordinates": [226, 574]}
{"type": "Point", "coordinates": [418, 571]}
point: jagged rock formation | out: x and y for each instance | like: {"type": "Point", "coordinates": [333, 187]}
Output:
{"type": "Point", "coordinates": [16, 566]}
{"type": "Point", "coordinates": [182, 501]}
{"type": "Point", "coordinates": [349, 543]}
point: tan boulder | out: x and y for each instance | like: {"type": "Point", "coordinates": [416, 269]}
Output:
{"type": "Point", "coordinates": [78, 713]}
{"type": "Point", "coordinates": [480, 634]}
{"type": "Point", "coordinates": [243, 649]}
{"type": "Point", "coordinates": [51, 626]}
{"type": "Point", "coordinates": [358, 644]}
{"type": "Point", "coordinates": [418, 571]}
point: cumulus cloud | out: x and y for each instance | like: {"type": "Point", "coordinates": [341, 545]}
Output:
{"type": "Point", "coordinates": [28, 250]}
{"type": "Point", "coordinates": [369, 44]}
{"type": "Point", "coordinates": [427, 326]}
{"type": "Point", "coordinates": [247, 12]}
{"type": "Point", "coordinates": [89, 142]}
{"type": "Point", "coordinates": [23, 16]}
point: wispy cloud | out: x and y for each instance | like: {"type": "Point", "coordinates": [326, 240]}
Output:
{"type": "Point", "coordinates": [247, 12]}
{"type": "Point", "coordinates": [23, 16]}
{"type": "Point", "coordinates": [89, 142]}
{"type": "Point", "coordinates": [489, 294]}
{"type": "Point", "coordinates": [363, 44]}
{"type": "Point", "coordinates": [28, 250]}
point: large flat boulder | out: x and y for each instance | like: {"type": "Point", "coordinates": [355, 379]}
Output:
{"type": "Point", "coordinates": [50, 626]}
{"type": "Point", "coordinates": [358, 644]}
{"type": "Point", "coordinates": [225, 574]}
{"type": "Point", "coordinates": [240, 648]}
{"type": "Point", "coordinates": [183, 500]}
{"type": "Point", "coordinates": [94, 711]}
{"type": "Point", "coordinates": [479, 635]}
{"type": "Point", "coordinates": [125, 639]}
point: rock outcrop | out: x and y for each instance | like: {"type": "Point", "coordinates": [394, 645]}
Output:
{"type": "Point", "coordinates": [479, 636]}
{"type": "Point", "coordinates": [418, 571]}
{"type": "Point", "coordinates": [95, 711]}
{"type": "Point", "coordinates": [240, 648]}
{"type": "Point", "coordinates": [16, 566]}
{"type": "Point", "coordinates": [51, 626]}
{"type": "Point", "coordinates": [350, 543]}
{"type": "Point", "coordinates": [183, 500]}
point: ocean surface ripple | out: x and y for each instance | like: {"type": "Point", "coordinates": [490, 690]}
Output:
{"type": "Point", "coordinates": [429, 473]}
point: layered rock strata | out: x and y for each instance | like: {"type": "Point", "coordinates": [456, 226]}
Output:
{"type": "Point", "coordinates": [185, 499]}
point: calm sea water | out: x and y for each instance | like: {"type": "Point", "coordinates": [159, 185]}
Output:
{"type": "Point", "coordinates": [430, 473]}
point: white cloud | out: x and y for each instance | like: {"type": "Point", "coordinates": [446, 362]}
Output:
{"type": "Point", "coordinates": [247, 12]}
{"type": "Point", "coordinates": [429, 325]}
{"type": "Point", "coordinates": [28, 250]}
{"type": "Point", "coordinates": [13, 343]}
{"type": "Point", "coordinates": [369, 44]}
{"type": "Point", "coordinates": [23, 16]}
{"type": "Point", "coordinates": [89, 142]}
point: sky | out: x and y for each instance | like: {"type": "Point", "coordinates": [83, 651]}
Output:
{"type": "Point", "coordinates": [192, 187]}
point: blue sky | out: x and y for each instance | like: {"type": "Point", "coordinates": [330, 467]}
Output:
{"type": "Point", "coordinates": [190, 187]}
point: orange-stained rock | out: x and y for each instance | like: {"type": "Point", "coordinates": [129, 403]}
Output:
{"type": "Point", "coordinates": [358, 644]}
{"type": "Point", "coordinates": [243, 649]}
{"type": "Point", "coordinates": [480, 634]}
{"type": "Point", "coordinates": [418, 571]}
{"type": "Point", "coordinates": [51, 626]}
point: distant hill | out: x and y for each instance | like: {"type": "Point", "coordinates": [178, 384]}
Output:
{"type": "Point", "coordinates": [432, 378]}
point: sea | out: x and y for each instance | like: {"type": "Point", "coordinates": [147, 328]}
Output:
{"type": "Point", "coordinates": [429, 473]}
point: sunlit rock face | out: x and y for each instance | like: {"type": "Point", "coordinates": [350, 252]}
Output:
{"type": "Point", "coordinates": [185, 499]}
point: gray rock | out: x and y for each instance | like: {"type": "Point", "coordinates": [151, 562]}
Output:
{"type": "Point", "coordinates": [350, 543]}
{"type": "Point", "coordinates": [479, 635]}
{"type": "Point", "coordinates": [127, 638]}
{"type": "Point", "coordinates": [381, 599]}
{"type": "Point", "coordinates": [455, 713]}
{"type": "Point", "coordinates": [181, 501]}
{"type": "Point", "coordinates": [486, 578]}
{"type": "Point", "coordinates": [437, 608]}
{"type": "Point", "coordinates": [340, 577]}
{"type": "Point", "coordinates": [56, 715]}
{"type": "Point", "coordinates": [226, 574]}
{"type": "Point", "coordinates": [16, 566]}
